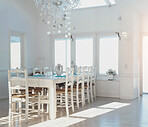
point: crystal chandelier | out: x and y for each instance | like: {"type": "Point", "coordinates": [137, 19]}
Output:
{"type": "Point", "coordinates": [56, 14]}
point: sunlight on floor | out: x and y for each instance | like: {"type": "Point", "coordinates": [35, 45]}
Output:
{"type": "Point", "coordinates": [93, 112]}
{"type": "Point", "coordinates": [114, 105]}
{"type": "Point", "coordinates": [90, 113]}
{"type": "Point", "coordinates": [16, 118]}
{"type": "Point", "coordinates": [60, 122]}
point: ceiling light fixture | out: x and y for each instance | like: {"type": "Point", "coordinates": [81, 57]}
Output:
{"type": "Point", "coordinates": [57, 15]}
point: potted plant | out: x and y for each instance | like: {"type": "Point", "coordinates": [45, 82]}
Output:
{"type": "Point", "coordinates": [111, 73]}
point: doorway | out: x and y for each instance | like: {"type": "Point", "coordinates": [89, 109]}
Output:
{"type": "Point", "coordinates": [17, 50]}
{"type": "Point", "coordinates": [145, 63]}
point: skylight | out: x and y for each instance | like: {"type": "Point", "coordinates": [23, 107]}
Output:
{"type": "Point", "coordinates": [95, 3]}
{"type": "Point", "coordinates": [112, 1]}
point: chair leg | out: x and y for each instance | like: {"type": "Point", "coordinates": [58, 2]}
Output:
{"type": "Point", "coordinates": [48, 108]}
{"type": "Point", "coordinates": [72, 101]}
{"type": "Point", "coordinates": [77, 96]}
{"type": "Point", "coordinates": [39, 104]}
{"type": "Point", "coordinates": [48, 100]}
{"type": "Point", "coordinates": [42, 93]}
{"type": "Point", "coordinates": [91, 92]}
{"type": "Point", "coordinates": [20, 108]}
{"type": "Point", "coordinates": [15, 106]}
{"type": "Point", "coordinates": [61, 99]}
{"type": "Point", "coordinates": [10, 109]}
{"type": "Point", "coordinates": [66, 103]}
{"type": "Point", "coordinates": [32, 107]}
{"type": "Point", "coordinates": [88, 95]}
{"type": "Point", "coordinates": [82, 97]}
{"type": "Point", "coordinates": [26, 111]}
{"type": "Point", "coordinates": [95, 92]}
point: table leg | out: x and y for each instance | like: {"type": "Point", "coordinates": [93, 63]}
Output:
{"type": "Point", "coordinates": [52, 99]}
{"type": "Point", "coordinates": [83, 95]}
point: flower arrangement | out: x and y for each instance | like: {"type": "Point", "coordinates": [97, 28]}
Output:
{"type": "Point", "coordinates": [111, 72]}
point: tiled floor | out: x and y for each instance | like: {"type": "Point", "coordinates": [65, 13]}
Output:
{"type": "Point", "coordinates": [104, 112]}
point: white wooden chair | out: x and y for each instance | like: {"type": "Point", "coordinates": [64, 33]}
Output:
{"type": "Point", "coordinates": [47, 70]}
{"type": "Point", "coordinates": [91, 83]}
{"type": "Point", "coordinates": [94, 81]}
{"type": "Point", "coordinates": [65, 95]}
{"type": "Point", "coordinates": [78, 88]}
{"type": "Point", "coordinates": [37, 71]}
{"type": "Point", "coordinates": [19, 94]}
{"type": "Point", "coordinates": [87, 86]}
{"type": "Point", "coordinates": [44, 97]}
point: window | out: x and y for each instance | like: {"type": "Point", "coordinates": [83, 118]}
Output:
{"type": "Point", "coordinates": [15, 52]}
{"type": "Point", "coordinates": [112, 1]}
{"type": "Point", "coordinates": [95, 3]}
{"type": "Point", "coordinates": [84, 51]}
{"type": "Point", "coordinates": [63, 52]}
{"type": "Point", "coordinates": [108, 54]}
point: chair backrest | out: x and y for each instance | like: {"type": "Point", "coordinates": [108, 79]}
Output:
{"type": "Point", "coordinates": [45, 70]}
{"type": "Point", "coordinates": [37, 70]}
{"type": "Point", "coordinates": [18, 77]}
{"type": "Point", "coordinates": [81, 69]}
{"type": "Point", "coordinates": [84, 73]}
{"type": "Point", "coordinates": [93, 73]}
{"type": "Point", "coordinates": [18, 82]}
{"type": "Point", "coordinates": [79, 77]}
{"type": "Point", "coordinates": [88, 75]}
{"type": "Point", "coordinates": [17, 73]}
{"type": "Point", "coordinates": [69, 79]}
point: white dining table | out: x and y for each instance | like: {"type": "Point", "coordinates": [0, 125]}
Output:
{"type": "Point", "coordinates": [50, 83]}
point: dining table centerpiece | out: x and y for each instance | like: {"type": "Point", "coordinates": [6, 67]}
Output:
{"type": "Point", "coordinates": [59, 69]}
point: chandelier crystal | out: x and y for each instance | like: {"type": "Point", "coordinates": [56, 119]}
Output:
{"type": "Point", "coordinates": [56, 14]}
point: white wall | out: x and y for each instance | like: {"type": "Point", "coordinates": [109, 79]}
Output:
{"type": "Point", "coordinates": [20, 16]}
{"type": "Point", "coordinates": [99, 19]}
{"type": "Point", "coordinates": [44, 46]}
{"type": "Point", "coordinates": [144, 23]}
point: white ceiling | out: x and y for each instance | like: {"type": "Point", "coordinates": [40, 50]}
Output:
{"type": "Point", "coordinates": [140, 6]}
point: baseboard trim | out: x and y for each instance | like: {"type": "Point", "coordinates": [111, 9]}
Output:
{"type": "Point", "coordinates": [108, 95]}
{"type": "Point", "coordinates": [2, 98]}
{"type": "Point", "coordinates": [128, 98]}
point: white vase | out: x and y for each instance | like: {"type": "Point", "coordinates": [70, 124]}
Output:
{"type": "Point", "coordinates": [110, 77]}
{"type": "Point", "coordinates": [59, 69]}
